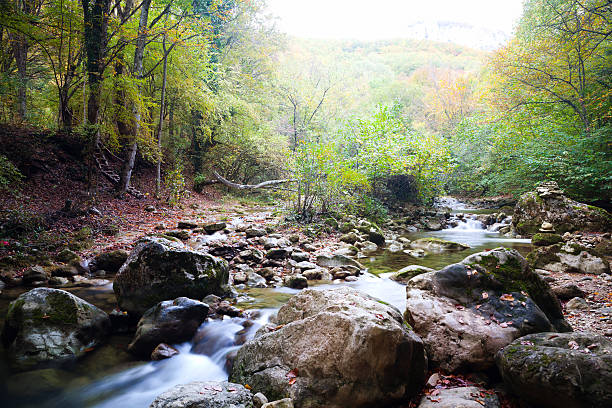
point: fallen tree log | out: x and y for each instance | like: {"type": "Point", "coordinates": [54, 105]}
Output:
{"type": "Point", "coordinates": [265, 184]}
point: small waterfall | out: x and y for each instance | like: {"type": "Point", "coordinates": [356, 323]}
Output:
{"type": "Point", "coordinates": [468, 224]}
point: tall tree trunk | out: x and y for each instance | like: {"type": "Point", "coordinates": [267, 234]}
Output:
{"type": "Point", "coordinates": [20, 51]}
{"type": "Point", "coordinates": [95, 17]}
{"type": "Point", "coordinates": [161, 121]}
{"type": "Point", "coordinates": [128, 167]}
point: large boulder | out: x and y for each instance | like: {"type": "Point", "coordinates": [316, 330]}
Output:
{"type": "Point", "coordinates": [171, 321]}
{"type": "Point", "coordinates": [549, 204]}
{"type": "Point", "coordinates": [549, 369]}
{"type": "Point", "coordinates": [159, 269]}
{"type": "Point", "coordinates": [209, 394]}
{"type": "Point", "coordinates": [109, 261]}
{"type": "Point", "coordinates": [45, 325]}
{"type": "Point", "coordinates": [466, 312]}
{"type": "Point", "coordinates": [334, 348]}
{"type": "Point", "coordinates": [569, 258]}
{"type": "Point", "coordinates": [437, 245]}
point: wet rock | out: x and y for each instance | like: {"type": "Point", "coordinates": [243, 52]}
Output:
{"type": "Point", "coordinates": [159, 269]}
{"type": "Point", "coordinates": [369, 247]}
{"type": "Point", "coordinates": [109, 261]}
{"type": "Point", "coordinates": [214, 227]}
{"type": "Point", "coordinates": [415, 253]}
{"type": "Point", "coordinates": [466, 312]}
{"type": "Point", "coordinates": [163, 351]}
{"type": "Point", "coordinates": [300, 256]}
{"type": "Point", "coordinates": [251, 255]}
{"type": "Point", "coordinates": [461, 397]}
{"type": "Point", "coordinates": [256, 281]}
{"type": "Point", "coordinates": [254, 232]}
{"type": "Point", "coordinates": [33, 384]}
{"type": "Point", "coordinates": [409, 272]}
{"type": "Point", "coordinates": [304, 265]}
{"type": "Point", "coordinates": [549, 204]}
{"type": "Point", "coordinates": [180, 234]}
{"type": "Point", "coordinates": [567, 291]}
{"type": "Point", "coordinates": [545, 239]}
{"type": "Point", "coordinates": [34, 274]}
{"type": "Point", "coordinates": [187, 225]}
{"type": "Point", "coordinates": [376, 237]}
{"type": "Point", "coordinates": [209, 394]}
{"type": "Point", "coordinates": [334, 348]}
{"type": "Point", "coordinates": [45, 325]}
{"type": "Point", "coordinates": [395, 247]}
{"type": "Point", "coordinates": [66, 255]}
{"type": "Point", "coordinates": [58, 281]}
{"type": "Point", "coordinates": [278, 253]}
{"type": "Point", "coordinates": [437, 245]}
{"type": "Point", "coordinates": [224, 308]}
{"type": "Point", "coordinates": [349, 238]}
{"type": "Point", "coordinates": [296, 281]}
{"type": "Point", "coordinates": [331, 261]}
{"type": "Point", "coordinates": [546, 369]}
{"type": "Point", "coordinates": [171, 321]}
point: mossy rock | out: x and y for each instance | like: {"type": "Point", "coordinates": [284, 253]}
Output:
{"type": "Point", "coordinates": [409, 272]}
{"type": "Point", "coordinates": [45, 325]}
{"type": "Point", "coordinates": [109, 261]}
{"type": "Point", "coordinates": [437, 245]}
{"type": "Point", "coordinates": [180, 234]}
{"type": "Point", "coordinates": [544, 239]}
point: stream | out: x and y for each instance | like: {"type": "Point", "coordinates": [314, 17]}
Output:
{"type": "Point", "coordinates": [109, 377]}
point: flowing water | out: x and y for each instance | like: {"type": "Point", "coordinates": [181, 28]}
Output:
{"type": "Point", "coordinates": [109, 377]}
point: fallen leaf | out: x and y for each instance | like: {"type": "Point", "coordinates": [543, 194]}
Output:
{"type": "Point", "coordinates": [485, 295]}
{"type": "Point", "coordinates": [573, 345]}
{"type": "Point", "coordinates": [292, 374]}
{"type": "Point", "coordinates": [247, 386]}
{"type": "Point", "coordinates": [506, 297]}
{"type": "Point", "coordinates": [292, 381]}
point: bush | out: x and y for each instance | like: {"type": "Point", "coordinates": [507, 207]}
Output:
{"type": "Point", "coordinates": [17, 223]}
{"type": "Point", "coordinates": [9, 174]}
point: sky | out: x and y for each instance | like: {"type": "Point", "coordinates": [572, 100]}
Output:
{"type": "Point", "coordinates": [382, 19]}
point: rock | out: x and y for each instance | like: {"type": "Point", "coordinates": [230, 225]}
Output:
{"type": "Point", "coordinates": [149, 208]}
{"type": "Point", "coordinates": [395, 247]}
{"type": "Point", "coordinates": [334, 348]}
{"type": "Point", "coordinates": [109, 261]}
{"type": "Point", "coordinates": [409, 272]}
{"type": "Point", "coordinates": [187, 225]}
{"type": "Point", "coordinates": [45, 325]}
{"type": "Point", "coordinates": [327, 261]}
{"type": "Point", "coordinates": [462, 397]}
{"type": "Point", "coordinates": [163, 351]}
{"type": "Point", "coordinates": [568, 258]}
{"type": "Point", "coordinates": [283, 403]}
{"type": "Point", "coordinates": [254, 232]}
{"type": "Point", "coordinates": [466, 312]}
{"type": "Point", "coordinates": [304, 265]}
{"type": "Point", "coordinates": [549, 370]}
{"type": "Point", "coordinates": [272, 242]}
{"type": "Point", "coordinates": [415, 253]}
{"type": "Point", "coordinates": [369, 247]}
{"type": "Point", "coordinates": [349, 238]}
{"type": "Point", "coordinates": [158, 269]}
{"type": "Point", "coordinates": [577, 304]}
{"type": "Point", "coordinates": [66, 255]}
{"type": "Point", "coordinates": [346, 227]}
{"type": "Point", "coordinates": [296, 281]}
{"type": "Point", "coordinates": [437, 245]}
{"type": "Point", "coordinates": [58, 281]}
{"type": "Point", "coordinates": [548, 204]}
{"type": "Point", "coordinates": [567, 291]}
{"type": "Point", "coordinates": [376, 237]}
{"type": "Point", "coordinates": [214, 227]}
{"type": "Point", "coordinates": [259, 399]}
{"type": "Point", "coordinates": [544, 239]}
{"type": "Point", "coordinates": [180, 234]}
{"type": "Point", "coordinates": [256, 281]}
{"type": "Point", "coordinates": [209, 394]}
{"type": "Point", "coordinates": [33, 384]}
{"type": "Point", "coordinates": [240, 278]}
{"type": "Point", "coordinates": [278, 253]}
{"type": "Point", "coordinates": [34, 274]}
{"type": "Point", "coordinates": [300, 256]}
{"type": "Point", "coordinates": [251, 255]}
{"type": "Point", "coordinates": [171, 321]}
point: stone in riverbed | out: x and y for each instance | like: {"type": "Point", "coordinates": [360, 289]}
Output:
{"type": "Point", "coordinates": [296, 281]}
{"type": "Point", "coordinates": [209, 394]}
{"type": "Point", "coordinates": [45, 325]}
{"type": "Point", "coordinates": [171, 321]}
{"type": "Point", "coordinates": [283, 403]}
{"type": "Point", "coordinates": [569, 258]}
{"type": "Point", "coordinates": [163, 351]}
{"type": "Point", "coordinates": [331, 261]}
{"type": "Point", "coordinates": [437, 245]}
{"type": "Point", "coordinates": [109, 261]}
{"type": "Point", "coordinates": [461, 397]}
{"type": "Point", "coordinates": [466, 312]}
{"type": "Point", "coordinates": [214, 227]}
{"type": "Point", "coordinates": [254, 232]}
{"type": "Point", "coordinates": [334, 348]}
{"type": "Point", "coordinates": [409, 272]}
{"type": "Point", "coordinates": [159, 269]}
{"type": "Point", "coordinates": [549, 369]}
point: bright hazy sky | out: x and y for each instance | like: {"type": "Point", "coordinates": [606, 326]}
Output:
{"type": "Point", "coordinates": [376, 19]}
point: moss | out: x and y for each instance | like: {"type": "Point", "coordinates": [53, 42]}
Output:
{"type": "Point", "coordinates": [64, 310]}
{"type": "Point", "coordinates": [545, 239]}
{"type": "Point", "coordinates": [509, 274]}
{"type": "Point", "coordinates": [544, 256]}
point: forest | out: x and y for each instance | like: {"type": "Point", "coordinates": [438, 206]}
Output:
{"type": "Point", "coordinates": [191, 151]}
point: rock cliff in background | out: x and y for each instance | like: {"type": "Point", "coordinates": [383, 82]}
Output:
{"type": "Point", "coordinates": [159, 269]}
{"type": "Point", "coordinates": [334, 348]}
{"type": "Point", "coordinates": [45, 325]}
{"type": "Point", "coordinates": [466, 312]}
{"type": "Point", "coordinates": [549, 204]}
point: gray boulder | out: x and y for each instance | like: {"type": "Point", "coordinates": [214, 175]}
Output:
{"type": "Point", "coordinates": [466, 312]}
{"type": "Point", "coordinates": [45, 325]}
{"type": "Point", "coordinates": [461, 397]}
{"type": "Point", "coordinates": [108, 261]}
{"type": "Point", "coordinates": [159, 269]}
{"type": "Point", "coordinates": [209, 394]}
{"type": "Point", "coordinates": [334, 348]}
{"type": "Point", "coordinates": [171, 321]}
{"type": "Point", "coordinates": [332, 261]}
{"type": "Point", "coordinates": [546, 369]}
{"type": "Point", "coordinates": [437, 245]}
{"type": "Point", "coordinates": [569, 258]}
{"type": "Point", "coordinates": [409, 272]}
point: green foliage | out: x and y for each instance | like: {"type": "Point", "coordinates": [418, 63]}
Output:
{"type": "Point", "coordinates": [18, 223]}
{"type": "Point", "coordinates": [175, 183]}
{"type": "Point", "coordinates": [10, 176]}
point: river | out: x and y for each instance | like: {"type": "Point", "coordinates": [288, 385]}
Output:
{"type": "Point", "coordinates": [108, 377]}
